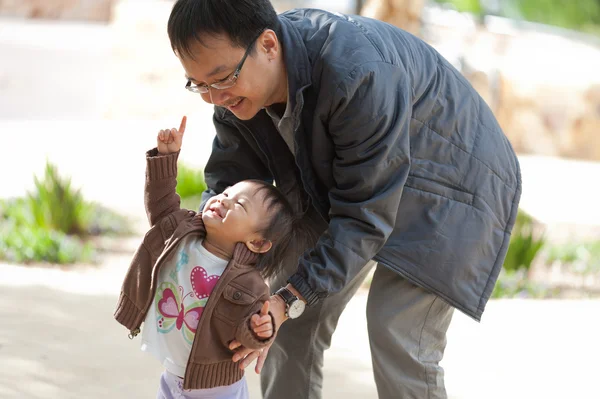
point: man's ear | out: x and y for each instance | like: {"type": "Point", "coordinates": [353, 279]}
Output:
{"type": "Point", "coordinates": [269, 42]}
{"type": "Point", "coordinates": [259, 246]}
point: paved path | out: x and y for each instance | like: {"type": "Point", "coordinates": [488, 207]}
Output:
{"type": "Point", "coordinates": [58, 340]}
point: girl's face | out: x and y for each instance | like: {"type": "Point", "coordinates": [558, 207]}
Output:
{"type": "Point", "coordinates": [236, 215]}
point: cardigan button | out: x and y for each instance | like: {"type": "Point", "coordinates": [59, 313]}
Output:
{"type": "Point", "coordinates": [237, 295]}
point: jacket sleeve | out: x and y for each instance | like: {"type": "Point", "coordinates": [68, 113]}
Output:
{"type": "Point", "coordinates": [232, 159]}
{"type": "Point", "coordinates": [369, 125]}
{"type": "Point", "coordinates": [244, 333]}
{"type": "Point", "coordinates": [160, 197]}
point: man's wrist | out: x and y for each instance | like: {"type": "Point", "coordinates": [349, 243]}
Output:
{"type": "Point", "coordinates": [294, 305]}
{"type": "Point", "coordinates": [280, 302]}
{"type": "Point", "coordinates": [295, 292]}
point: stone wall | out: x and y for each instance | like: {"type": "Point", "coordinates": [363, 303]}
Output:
{"type": "Point", "coordinates": [543, 87]}
{"type": "Point", "coordinates": [83, 10]}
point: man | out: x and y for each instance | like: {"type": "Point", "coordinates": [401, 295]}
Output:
{"type": "Point", "coordinates": [390, 156]}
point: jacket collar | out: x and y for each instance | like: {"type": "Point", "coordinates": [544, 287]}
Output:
{"type": "Point", "coordinates": [241, 254]}
{"type": "Point", "coordinates": [298, 67]}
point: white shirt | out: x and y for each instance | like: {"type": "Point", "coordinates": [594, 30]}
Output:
{"type": "Point", "coordinates": [185, 281]}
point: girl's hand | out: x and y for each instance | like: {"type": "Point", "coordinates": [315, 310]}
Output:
{"type": "Point", "coordinates": [169, 140]}
{"type": "Point", "coordinates": [262, 323]}
{"type": "Point", "coordinates": [246, 356]}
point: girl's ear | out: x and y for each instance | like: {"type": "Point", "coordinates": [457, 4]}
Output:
{"type": "Point", "coordinates": [259, 246]}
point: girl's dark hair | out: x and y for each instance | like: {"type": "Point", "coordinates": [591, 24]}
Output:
{"type": "Point", "coordinates": [241, 20]}
{"type": "Point", "coordinates": [284, 229]}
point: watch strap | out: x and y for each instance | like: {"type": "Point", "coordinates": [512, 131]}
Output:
{"type": "Point", "coordinates": [287, 295]}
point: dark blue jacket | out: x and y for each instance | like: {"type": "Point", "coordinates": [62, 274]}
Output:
{"type": "Point", "coordinates": [397, 153]}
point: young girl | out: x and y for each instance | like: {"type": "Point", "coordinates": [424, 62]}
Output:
{"type": "Point", "coordinates": [197, 280]}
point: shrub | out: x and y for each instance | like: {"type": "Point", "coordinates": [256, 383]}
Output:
{"type": "Point", "coordinates": [56, 206]}
{"type": "Point", "coordinates": [579, 257]}
{"type": "Point", "coordinates": [26, 244]}
{"type": "Point", "coordinates": [525, 243]}
{"type": "Point", "coordinates": [582, 15]}
{"type": "Point", "coordinates": [104, 221]}
{"type": "Point", "coordinates": [48, 224]}
{"type": "Point", "coordinates": [470, 6]}
{"type": "Point", "coordinates": [513, 284]}
{"type": "Point", "coordinates": [190, 182]}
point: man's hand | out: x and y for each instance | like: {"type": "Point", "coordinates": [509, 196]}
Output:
{"type": "Point", "coordinates": [261, 323]}
{"type": "Point", "coordinates": [247, 356]}
{"type": "Point", "coordinates": [169, 140]}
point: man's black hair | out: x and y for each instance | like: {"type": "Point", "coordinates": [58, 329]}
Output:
{"type": "Point", "coordinates": [241, 20]}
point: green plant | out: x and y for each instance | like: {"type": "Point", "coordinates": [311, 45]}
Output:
{"type": "Point", "coordinates": [582, 15]}
{"type": "Point", "coordinates": [513, 284]}
{"type": "Point", "coordinates": [26, 244]}
{"type": "Point", "coordinates": [525, 244]}
{"type": "Point", "coordinates": [192, 202]}
{"type": "Point", "coordinates": [190, 182]}
{"type": "Point", "coordinates": [470, 6]}
{"type": "Point", "coordinates": [55, 205]}
{"type": "Point", "coordinates": [47, 224]}
{"type": "Point", "coordinates": [104, 221]}
{"type": "Point", "coordinates": [579, 257]}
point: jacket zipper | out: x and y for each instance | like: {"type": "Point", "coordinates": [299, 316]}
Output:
{"type": "Point", "coordinates": [209, 303]}
{"type": "Point", "coordinates": [133, 333]}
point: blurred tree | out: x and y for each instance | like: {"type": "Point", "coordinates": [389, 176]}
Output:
{"type": "Point", "coordinates": [582, 15]}
{"type": "Point", "coordinates": [578, 15]}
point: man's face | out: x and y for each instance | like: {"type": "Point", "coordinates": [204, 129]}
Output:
{"type": "Point", "coordinates": [216, 59]}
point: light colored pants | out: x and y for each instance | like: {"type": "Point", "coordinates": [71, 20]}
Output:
{"type": "Point", "coordinates": [171, 387]}
{"type": "Point", "coordinates": [407, 332]}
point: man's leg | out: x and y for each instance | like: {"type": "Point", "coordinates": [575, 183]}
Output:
{"type": "Point", "coordinates": [294, 366]}
{"type": "Point", "coordinates": [407, 332]}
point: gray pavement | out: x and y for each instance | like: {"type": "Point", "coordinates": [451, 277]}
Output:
{"type": "Point", "coordinates": [58, 340]}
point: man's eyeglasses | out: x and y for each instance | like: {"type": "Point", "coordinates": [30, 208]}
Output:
{"type": "Point", "coordinates": [226, 83]}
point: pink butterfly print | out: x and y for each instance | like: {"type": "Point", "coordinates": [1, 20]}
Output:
{"type": "Point", "coordinates": [202, 284]}
{"type": "Point", "coordinates": [169, 308]}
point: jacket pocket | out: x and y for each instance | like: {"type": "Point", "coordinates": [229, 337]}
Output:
{"type": "Point", "coordinates": [234, 304]}
{"type": "Point", "coordinates": [439, 188]}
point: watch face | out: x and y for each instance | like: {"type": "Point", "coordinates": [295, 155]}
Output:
{"type": "Point", "coordinates": [296, 309]}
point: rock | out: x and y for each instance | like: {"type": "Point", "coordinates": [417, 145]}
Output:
{"type": "Point", "coordinates": [87, 10]}
{"type": "Point", "coordinates": [545, 98]}
{"type": "Point", "coordinates": [405, 14]}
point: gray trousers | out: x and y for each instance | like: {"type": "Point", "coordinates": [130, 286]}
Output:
{"type": "Point", "coordinates": [407, 333]}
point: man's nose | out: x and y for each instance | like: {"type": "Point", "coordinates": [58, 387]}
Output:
{"type": "Point", "coordinates": [206, 97]}
{"type": "Point", "coordinates": [217, 97]}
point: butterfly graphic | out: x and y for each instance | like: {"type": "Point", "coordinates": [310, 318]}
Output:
{"type": "Point", "coordinates": [173, 314]}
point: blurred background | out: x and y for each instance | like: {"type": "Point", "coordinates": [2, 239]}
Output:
{"type": "Point", "coordinates": [86, 84]}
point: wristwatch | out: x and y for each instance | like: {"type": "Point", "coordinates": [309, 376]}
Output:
{"type": "Point", "coordinates": [294, 307]}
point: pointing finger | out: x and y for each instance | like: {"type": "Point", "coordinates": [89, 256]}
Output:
{"type": "Point", "coordinates": [183, 123]}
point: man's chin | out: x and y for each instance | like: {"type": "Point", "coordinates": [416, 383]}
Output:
{"type": "Point", "coordinates": [244, 116]}
{"type": "Point", "coordinates": [244, 113]}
